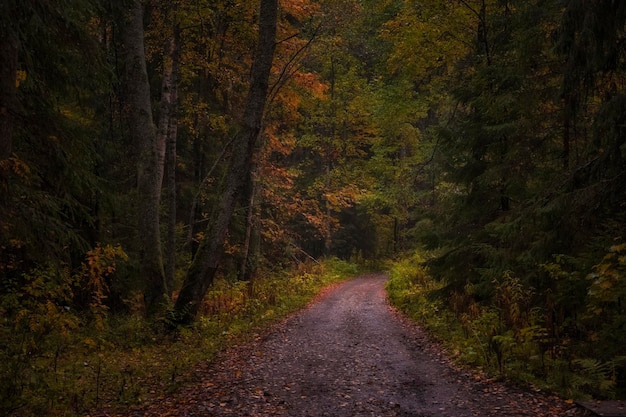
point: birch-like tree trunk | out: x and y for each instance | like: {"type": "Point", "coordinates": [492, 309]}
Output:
{"type": "Point", "coordinates": [202, 270]}
{"type": "Point", "coordinates": [149, 160]}
{"type": "Point", "coordinates": [172, 134]}
{"type": "Point", "coordinates": [168, 97]}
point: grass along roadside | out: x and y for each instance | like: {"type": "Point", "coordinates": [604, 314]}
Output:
{"type": "Point", "coordinates": [477, 336]}
{"type": "Point", "coordinates": [125, 361]}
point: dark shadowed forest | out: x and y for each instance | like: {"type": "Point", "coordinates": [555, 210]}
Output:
{"type": "Point", "coordinates": [174, 174]}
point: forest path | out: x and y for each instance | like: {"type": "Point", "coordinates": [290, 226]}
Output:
{"type": "Point", "coordinates": [348, 354]}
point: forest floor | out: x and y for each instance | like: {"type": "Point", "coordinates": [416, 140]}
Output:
{"type": "Point", "coordinates": [348, 354]}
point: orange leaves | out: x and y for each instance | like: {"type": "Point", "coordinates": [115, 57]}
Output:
{"type": "Point", "coordinates": [294, 42]}
{"type": "Point", "coordinates": [342, 198]}
{"type": "Point", "coordinates": [99, 263]}
{"type": "Point", "coordinates": [316, 219]}
{"type": "Point", "coordinates": [282, 143]}
{"type": "Point", "coordinates": [299, 9]}
{"type": "Point", "coordinates": [312, 83]}
{"type": "Point", "coordinates": [20, 77]}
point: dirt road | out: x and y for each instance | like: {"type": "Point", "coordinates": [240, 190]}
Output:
{"type": "Point", "coordinates": [348, 354]}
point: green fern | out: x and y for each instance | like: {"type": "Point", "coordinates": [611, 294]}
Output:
{"type": "Point", "coordinates": [594, 377]}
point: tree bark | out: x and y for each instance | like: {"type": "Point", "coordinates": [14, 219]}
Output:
{"type": "Point", "coordinates": [204, 265]}
{"type": "Point", "coordinates": [248, 261]}
{"type": "Point", "coordinates": [170, 272]}
{"type": "Point", "coordinates": [149, 163]}
{"type": "Point", "coordinates": [566, 133]}
{"type": "Point", "coordinates": [168, 93]}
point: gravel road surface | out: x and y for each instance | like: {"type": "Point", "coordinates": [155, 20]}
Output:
{"type": "Point", "coordinates": [348, 354]}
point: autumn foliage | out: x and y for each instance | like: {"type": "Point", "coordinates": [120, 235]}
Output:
{"type": "Point", "coordinates": [485, 136]}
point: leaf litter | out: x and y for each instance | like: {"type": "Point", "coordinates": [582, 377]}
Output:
{"type": "Point", "coordinates": [348, 354]}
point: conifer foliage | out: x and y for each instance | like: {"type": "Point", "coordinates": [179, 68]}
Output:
{"type": "Point", "coordinates": [258, 136]}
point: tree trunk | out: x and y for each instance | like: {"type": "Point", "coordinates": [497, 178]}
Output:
{"type": "Point", "coordinates": [170, 272]}
{"type": "Point", "coordinates": [168, 93]}
{"type": "Point", "coordinates": [248, 263]}
{"type": "Point", "coordinates": [204, 265]}
{"type": "Point", "coordinates": [329, 159]}
{"type": "Point", "coordinates": [566, 134]}
{"type": "Point", "coordinates": [149, 170]}
{"type": "Point", "coordinates": [8, 90]}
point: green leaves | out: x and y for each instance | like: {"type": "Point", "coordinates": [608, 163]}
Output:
{"type": "Point", "coordinates": [605, 301]}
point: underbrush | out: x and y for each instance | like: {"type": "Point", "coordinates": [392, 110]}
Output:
{"type": "Point", "coordinates": [507, 337]}
{"type": "Point", "coordinates": [57, 362]}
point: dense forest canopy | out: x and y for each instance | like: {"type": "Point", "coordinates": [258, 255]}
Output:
{"type": "Point", "coordinates": [149, 147]}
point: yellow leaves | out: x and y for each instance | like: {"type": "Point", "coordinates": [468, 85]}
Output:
{"type": "Point", "coordinates": [90, 343]}
{"type": "Point", "coordinates": [344, 197]}
{"type": "Point", "coordinates": [608, 285]}
{"type": "Point", "coordinates": [231, 249]}
{"type": "Point", "coordinates": [596, 310]}
{"type": "Point", "coordinates": [618, 248]}
{"type": "Point", "coordinates": [16, 166]}
{"type": "Point", "coordinates": [318, 221]}
{"type": "Point", "coordinates": [41, 310]}
{"type": "Point", "coordinates": [77, 115]}
{"type": "Point", "coordinates": [290, 101]}
{"type": "Point", "coordinates": [20, 77]}
{"type": "Point", "coordinates": [339, 200]}
{"type": "Point", "coordinates": [272, 231]}
{"type": "Point", "coordinates": [99, 344]}
{"type": "Point", "coordinates": [433, 36]}
{"type": "Point", "coordinates": [100, 263]}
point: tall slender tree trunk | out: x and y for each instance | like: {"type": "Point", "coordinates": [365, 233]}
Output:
{"type": "Point", "coordinates": [168, 94]}
{"type": "Point", "coordinates": [248, 262]}
{"type": "Point", "coordinates": [170, 271]}
{"type": "Point", "coordinates": [149, 160]}
{"type": "Point", "coordinates": [566, 134]}
{"type": "Point", "coordinates": [329, 158]}
{"type": "Point", "coordinates": [204, 265]}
